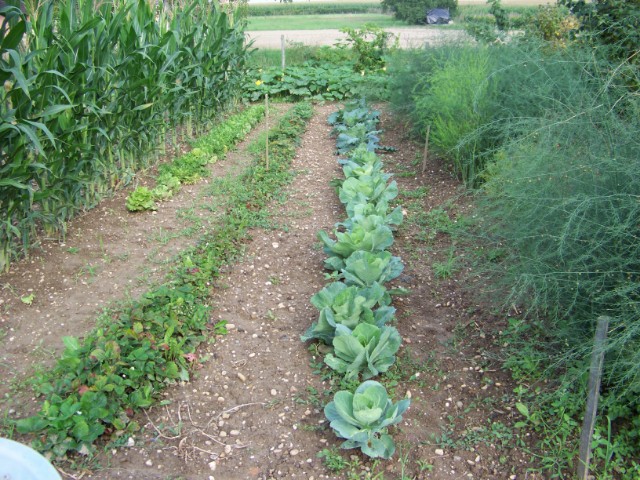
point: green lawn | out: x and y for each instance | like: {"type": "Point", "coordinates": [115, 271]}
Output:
{"type": "Point", "coordinates": [319, 22]}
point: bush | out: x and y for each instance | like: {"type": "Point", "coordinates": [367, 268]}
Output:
{"type": "Point", "coordinates": [611, 24]}
{"type": "Point", "coordinates": [470, 95]}
{"type": "Point", "coordinates": [415, 11]}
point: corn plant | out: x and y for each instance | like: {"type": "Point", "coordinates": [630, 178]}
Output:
{"type": "Point", "coordinates": [91, 90]}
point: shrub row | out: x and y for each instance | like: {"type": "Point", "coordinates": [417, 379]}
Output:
{"type": "Point", "coordinates": [136, 352]}
{"type": "Point", "coordinates": [355, 310]}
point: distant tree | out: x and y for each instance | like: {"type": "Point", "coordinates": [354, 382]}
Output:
{"type": "Point", "coordinates": [415, 11]}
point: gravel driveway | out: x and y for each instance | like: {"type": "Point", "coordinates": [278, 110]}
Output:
{"type": "Point", "coordinates": [410, 37]}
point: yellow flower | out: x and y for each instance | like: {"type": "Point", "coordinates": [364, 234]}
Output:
{"type": "Point", "coordinates": [258, 82]}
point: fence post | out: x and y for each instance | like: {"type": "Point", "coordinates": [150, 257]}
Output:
{"type": "Point", "coordinates": [595, 374]}
{"type": "Point", "coordinates": [266, 115]}
{"type": "Point", "coordinates": [426, 150]}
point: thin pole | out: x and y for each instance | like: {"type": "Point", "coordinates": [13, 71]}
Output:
{"type": "Point", "coordinates": [595, 374]}
{"type": "Point", "coordinates": [426, 150]}
{"type": "Point", "coordinates": [266, 106]}
{"type": "Point", "coordinates": [282, 49]}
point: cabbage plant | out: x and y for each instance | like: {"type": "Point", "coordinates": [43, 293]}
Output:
{"type": "Point", "coordinates": [365, 268]}
{"type": "Point", "coordinates": [362, 418]}
{"type": "Point", "coordinates": [342, 308]}
{"type": "Point", "coordinates": [357, 210]}
{"type": "Point", "coordinates": [370, 234]}
{"type": "Point", "coordinates": [369, 350]}
{"type": "Point", "coordinates": [367, 189]}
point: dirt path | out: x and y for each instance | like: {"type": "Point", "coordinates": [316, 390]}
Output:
{"type": "Point", "coordinates": [409, 37]}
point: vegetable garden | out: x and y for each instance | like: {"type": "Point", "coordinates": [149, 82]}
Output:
{"type": "Point", "coordinates": [443, 327]}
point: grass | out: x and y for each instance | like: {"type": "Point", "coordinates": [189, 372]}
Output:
{"type": "Point", "coordinates": [320, 22]}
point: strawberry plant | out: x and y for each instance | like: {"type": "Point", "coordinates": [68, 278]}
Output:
{"type": "Point", "coordinates": [99, 383]}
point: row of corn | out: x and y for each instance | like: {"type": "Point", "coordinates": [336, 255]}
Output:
{"type": "Point", "coordinates": [92, 91]}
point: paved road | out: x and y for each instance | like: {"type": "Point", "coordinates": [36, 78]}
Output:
{"type": "Point", "coordinates": [410, 37]}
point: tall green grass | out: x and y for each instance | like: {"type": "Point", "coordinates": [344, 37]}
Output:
{"type": "Point", "coordinates": [91, 90]}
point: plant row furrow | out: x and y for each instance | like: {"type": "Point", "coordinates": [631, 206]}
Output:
{"type": "Point", "coordinates": [355, 309]}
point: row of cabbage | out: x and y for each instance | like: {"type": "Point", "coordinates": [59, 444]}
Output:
{"type": "Point", "coordinates": [91, 92]}
{"type": "Point", "coordinates": [355, 309]}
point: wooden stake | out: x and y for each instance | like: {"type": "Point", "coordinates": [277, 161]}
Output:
{"type": "Point", "coordinates": [595, 374]}
{"type": "Point", "coordinates": [426, 150]}
{"type": "Point", "coordinates": [266, 111]}
{"type": "Point", "coordinates": [282, 49]}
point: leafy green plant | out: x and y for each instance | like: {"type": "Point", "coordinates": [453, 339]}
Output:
{"type": "Point", "coordinates": [369, 234]}
{"type": "Point", "coordinates": [363, 417]}
{"type": "Point", "coordinates": [367, 189]}
{"type": "Point", "coordinates": [368, 349]}
{"type": "Point", "coordinates": [310, 80]}
{"type": "Point", "coordinates": [365, 268]}
{"type": "Point", "coordinates": [141, 199]}
{"type": "Point", "coordinates": [343, 308]}
{"type": "Point", "coordinates": [359, 211]}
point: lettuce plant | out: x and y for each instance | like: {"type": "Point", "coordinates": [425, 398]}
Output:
{"type": "Point", "coordinates": [342, 308]}
{"type": "Point", "coordinates": [365, 268]}
{"type": "Point", "coordinates": [141, 199]}
{"type": "Point", "coordinates": [362, 418]}
{"type": "Point", "coordinates": [368, 349]}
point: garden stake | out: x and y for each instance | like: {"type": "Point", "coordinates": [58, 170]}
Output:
{"type": "Point", "coordinates": [595, 374]}
{"type": "Point", "coordinates": [266, 115]}
{"type": "Point", "coordinates": [426, 150]}
{"type": "Point", "coordinates": [282, 49]}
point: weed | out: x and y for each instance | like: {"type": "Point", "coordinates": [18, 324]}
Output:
{"type": "Point", "coordinates": [424, 466]}
{"type": "Point", "coordinates": [445, 269]}
{"type": "Point", "coordinates": [416, 193]}
{"type": "Point", "coordinates": [333, 460]}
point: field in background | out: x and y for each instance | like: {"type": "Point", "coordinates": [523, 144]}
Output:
{"type": "Point", "coordinates": [320, 22]}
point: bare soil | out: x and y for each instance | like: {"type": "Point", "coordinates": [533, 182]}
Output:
{"type": "Point", "coordinates": [254, 408]}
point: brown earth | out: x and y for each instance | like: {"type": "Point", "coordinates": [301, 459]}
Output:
{"type": "Point", "coordinates": [254, 409]}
